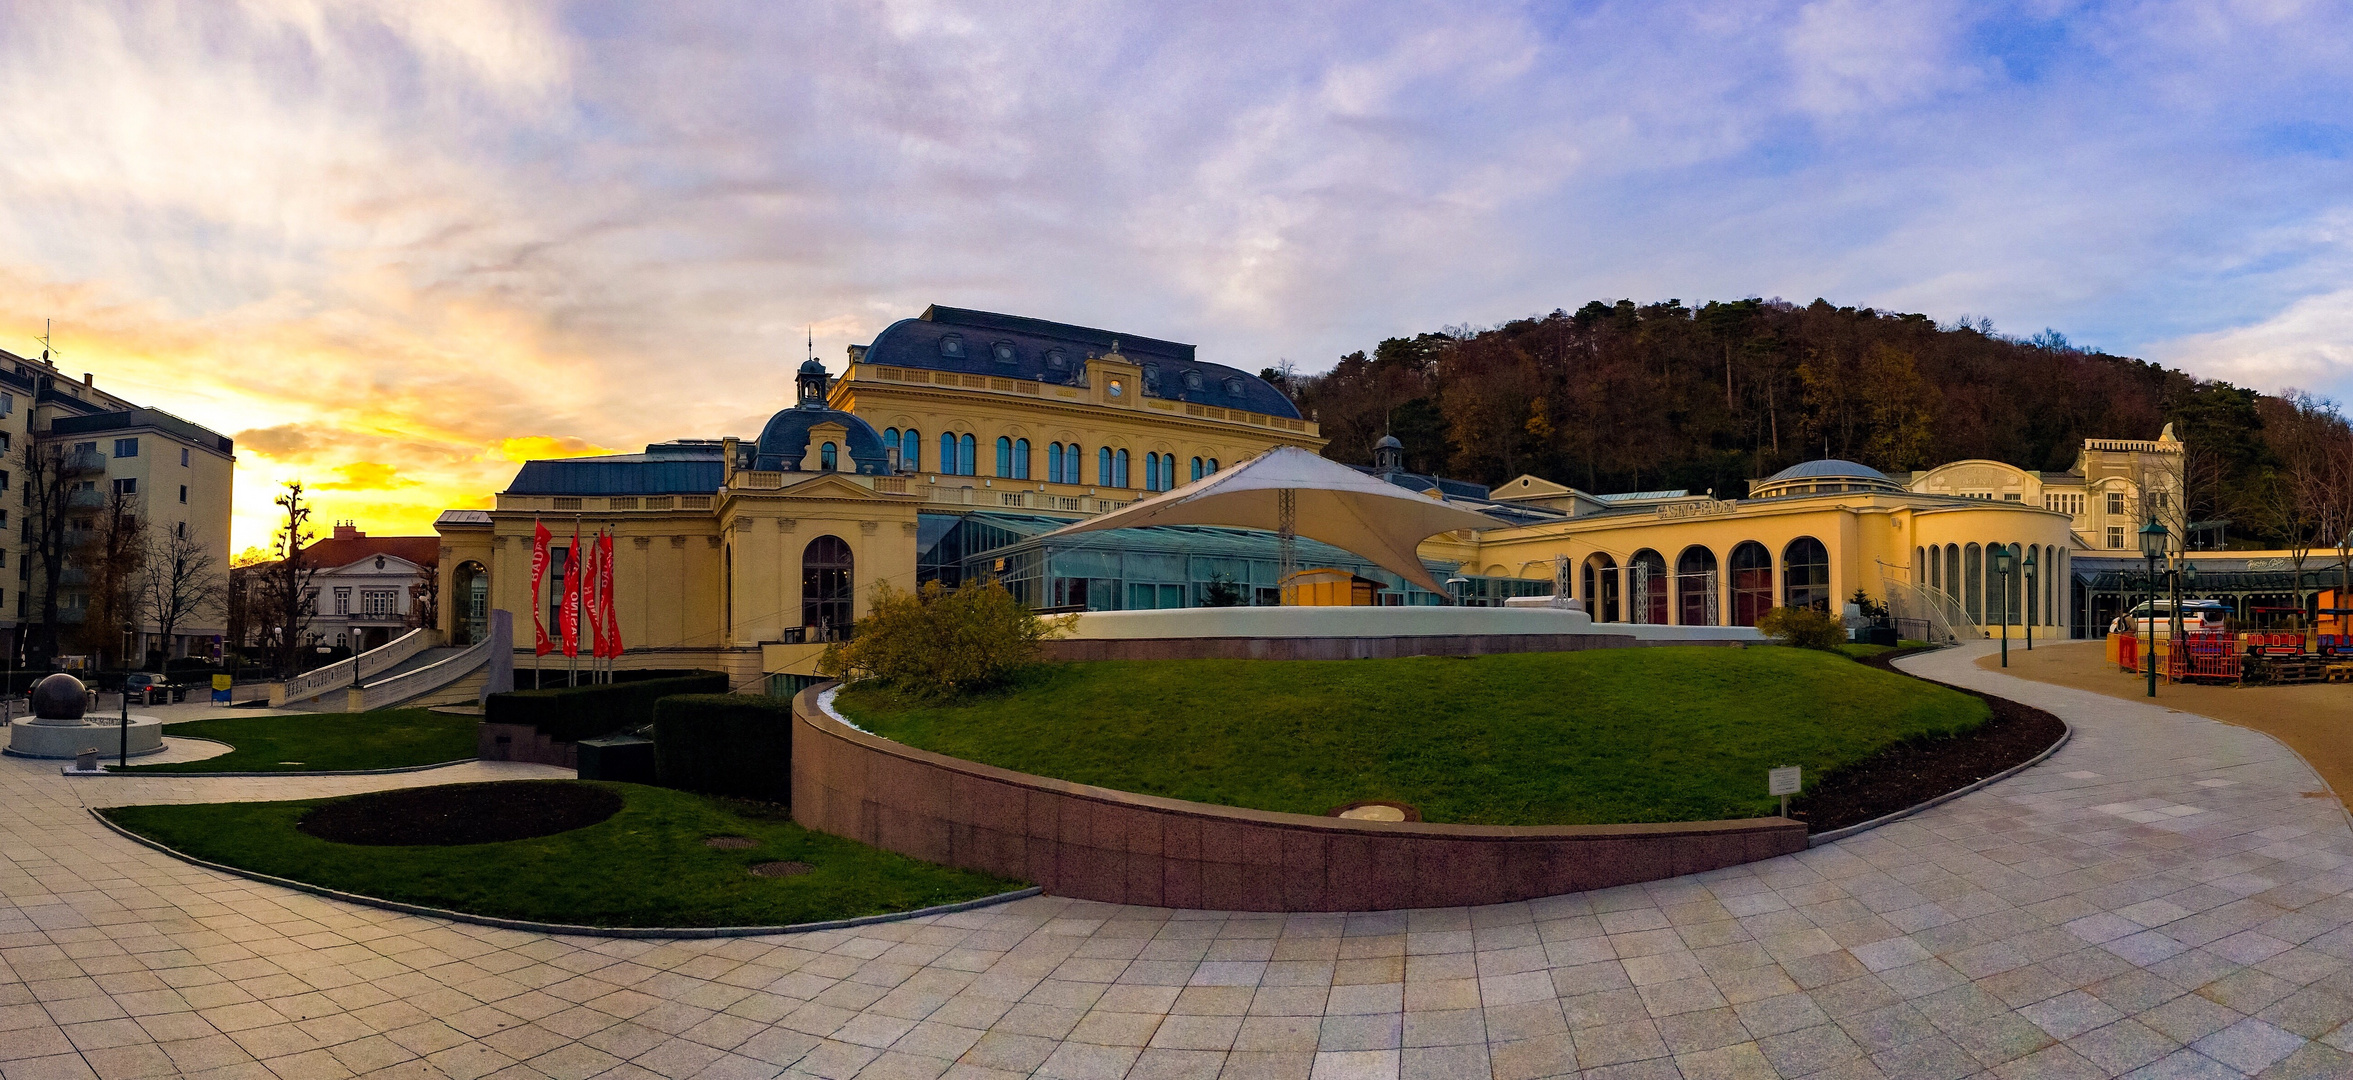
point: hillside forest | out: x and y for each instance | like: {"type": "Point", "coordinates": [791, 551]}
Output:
{"type": "Point", "coordinates": [1625, 397]}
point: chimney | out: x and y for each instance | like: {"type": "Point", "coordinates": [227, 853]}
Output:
{"type": "Point", "coordinates": [346, 530]}
{"type": "Point", "coordinates": [89, 379]}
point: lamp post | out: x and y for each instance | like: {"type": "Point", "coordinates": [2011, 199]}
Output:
{"type": "Point", "coordinates": [2030, 600]}
{"type": "Point", "coordinates": [2002, 567]}
{"type": "Point", "coordinates": [2153, 544]}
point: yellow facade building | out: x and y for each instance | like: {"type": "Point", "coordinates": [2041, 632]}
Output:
{"type": "Point", "coordinates": [957, 441]}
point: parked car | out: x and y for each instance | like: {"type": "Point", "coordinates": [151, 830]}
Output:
{"type": "Point", "coordinates": [2197, 617]}
{"type": "Point", "coordinates": [141, 683]}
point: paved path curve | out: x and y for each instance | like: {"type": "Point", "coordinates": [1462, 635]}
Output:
{"type": "Point", "coordinates": [2160, 899]}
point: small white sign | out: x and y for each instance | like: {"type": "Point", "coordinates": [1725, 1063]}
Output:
{"type": "Point", "coordinates": [1783, 781]}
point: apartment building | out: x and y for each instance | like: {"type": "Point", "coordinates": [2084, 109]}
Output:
{"type": "Point", "coordinates": [177, 475]}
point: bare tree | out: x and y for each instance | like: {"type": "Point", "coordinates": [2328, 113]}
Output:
{"type": "Point", "coordinates": [113, 544]}
{"type": "Point", "coordinates": [286, 601]}
{"type": "Point", "coordinates": [425, 598]}
{"type": "Point", "coordinates": [45, 479]}
{"type": "Point", "coordinates": [178, 580]}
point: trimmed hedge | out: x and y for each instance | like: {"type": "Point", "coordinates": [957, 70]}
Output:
{"type": "Point", "coordinates": [570, 714]}
{"type": "Point", "coordinates": [725, 744]}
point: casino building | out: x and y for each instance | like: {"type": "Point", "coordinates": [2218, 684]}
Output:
{"type": "Point", "coordinates": [956, 442]}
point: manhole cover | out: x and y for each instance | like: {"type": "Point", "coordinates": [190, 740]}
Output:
{"type": "Point", "coordinates": [730, 843]}
{"type": "Point", "coordinates": [780, 869]}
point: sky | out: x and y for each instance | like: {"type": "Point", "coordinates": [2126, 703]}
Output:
{"type": "Point", "coordinates": [394, 249]}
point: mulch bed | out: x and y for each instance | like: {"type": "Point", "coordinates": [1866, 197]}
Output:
{"type": "Point", "coordinates": [1917, 770]}
{"type": "Point", "coordinates": [454, 814]}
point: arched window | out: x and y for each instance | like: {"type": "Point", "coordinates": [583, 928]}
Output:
{"type": "Point", "coordinates": [1919, 566]}
{"type": "Point", "coordinates": [473, 591]}
{"type": "Point", "coordinates": [948, 452]}
{"type": "Point", "coordinates": [1053, 463]}
{"type": "Point", "coordinates": [1119, 470]}
{"type": "Point", "coordinates": [911, 451]}
{"type": "Point", "coordinates": [1646, 600]}
{"type": "Point", "coordinates": [1695, 587]}
{"type": "Point", "coordinates": [1103, 473]}
{"type": "Point", "coordinates": [1952, 571]}
{"type": "Point", "coordinates": [890, 438]}
{"type": "Point", "coordinates": [1004, 456]}
{"type": "Point", "coordinates": [1021, 459]}
{"type": "Point", "coordinates": [2001, 590]}
{"type": "Point", "coordinates": [1973, 583]}
{"type": "Point", "coordinates": [1152, 473]}
{"type": "Point", "coordinates": [2051, 593]}
{"type": "Point", "coordinates": [829, 457]}
{"type": "Point", "coordinates": [1212, 464]}
{"type": "Point", "coordinates": [1601, 588]}
{"type": "Point", "coordinates": [967, 463]}
{"type": "Point", "coordinates": [826, 587]}
{"type": "Point", "coordinates": [2033, 610]}
{"type": "Point", "coordinates": [1752, 583]}
{"type": "Point", "coordinates": [1167, 472]}
{"type": "Point", "coordinates": [1196, 468]}
{"type": "Point", "coordinates": [1936, 567]}
{"type": "Point", "coordinates": [1805, 574]}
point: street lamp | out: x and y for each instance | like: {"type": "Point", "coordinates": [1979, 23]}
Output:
{"type": "Point", "coordinates": [2030, 595]}
{"type": "Point", "coordinates": [2002, 558]}
{"type": "Point", "coordinates": [2153, 544]}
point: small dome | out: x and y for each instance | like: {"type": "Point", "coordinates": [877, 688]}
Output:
{"type": "Point", "coordinates": [784, 443]}
{"type": "Point", "coordinates": [1829, 469]}
{"type": "Point", "coordinates": [1389, 442]}
{"type": "Point", "coordinates": [1827, 476]}
{"type": "Point", "coordinates": [812, 367]}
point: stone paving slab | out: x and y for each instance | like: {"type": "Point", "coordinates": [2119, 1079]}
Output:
{"type": "Point", "coordinates": [2160, 899]}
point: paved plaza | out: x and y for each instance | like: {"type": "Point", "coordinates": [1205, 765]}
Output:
{"type": "Point", "coordinates": [2163, 898]}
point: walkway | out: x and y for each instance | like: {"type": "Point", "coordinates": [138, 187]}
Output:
{"type": "Point", "coordinates": [2159, 900]}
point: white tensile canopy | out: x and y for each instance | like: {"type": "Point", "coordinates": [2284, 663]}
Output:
{"type": "Point", "coordinates": [1332, 503]}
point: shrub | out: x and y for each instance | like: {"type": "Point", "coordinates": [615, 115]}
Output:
{"type": "Point", "coordinates": [1805, 628]}
{"type": "Point", "coordinates": [936, 643]}
{"type": "Point", "coordinates": [725, 744]}
{"type": "Point", "coordinates": [573, 713]}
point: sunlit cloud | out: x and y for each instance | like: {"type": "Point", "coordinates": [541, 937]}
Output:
{"type": "Point", "coordinates": [396, 248]}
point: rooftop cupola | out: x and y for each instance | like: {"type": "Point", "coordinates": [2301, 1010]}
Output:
{"type": "Point", "coordinates": [812, 381]}
{"type": "Point", "coordinates": [1388, 455]}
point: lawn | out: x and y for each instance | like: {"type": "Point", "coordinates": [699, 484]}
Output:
{"type": "Point", "coordinates": [1611, 735]}
{"type": "Point", "coordinates": [326, 742]}
{"type": "Point", "coordinates": [645, 866]}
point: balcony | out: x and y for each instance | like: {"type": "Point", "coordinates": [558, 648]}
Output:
{"type": "Point", "coordinates": [82, 462]}
{"type": "Point", "coordinates": [85, 499]}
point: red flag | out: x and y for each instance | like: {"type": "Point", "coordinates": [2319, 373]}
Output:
{"type": "Point", "coordinates": [539, 540]}
{"type": "Point", "coordinates": [592, 595]}
{"type": "Point", "coordinates": [568, 620]}
{"type": "Point", "coordinates": [605, 592]}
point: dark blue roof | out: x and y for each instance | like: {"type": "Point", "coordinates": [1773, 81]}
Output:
{"type": "Point", "coordinates": [1829, 469]}
{"type": "Point", "coordinates": [664, 469]}
{"type": "Point", "coordinates": [785, 441]}
{"type": "Point", "coordinates": [1056, 353]}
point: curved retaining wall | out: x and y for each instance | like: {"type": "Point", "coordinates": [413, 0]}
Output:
{"type": "Point", "coordinates": [1097, 844]}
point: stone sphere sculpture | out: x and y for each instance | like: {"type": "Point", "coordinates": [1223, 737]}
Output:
{"type": "Point", "coordinates": [60, 697]}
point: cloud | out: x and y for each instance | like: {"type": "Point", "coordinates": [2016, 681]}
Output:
{"type": "Point", "coordinates": [374, 476]}
{"type": "Point", "coordinates": [532, 447]}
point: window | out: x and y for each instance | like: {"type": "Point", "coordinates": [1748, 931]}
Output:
{"type": "Point", "coordinates": [1057, 360]}
{"type": "Point", "coordinates": [911, 451]}
{"type": "Point", "coordinates": [1054, 463]}
{"type": "Point", "coordinates": [7, 404]}
{"type": "Point", "coordinates": [952, 345]}
{"type": "Point", "coordinates": [85, 448]}
{"type": "Point", "coordinates": [3, 479]}
{"type": "Point", "coordinates": [1004, 456]}
{"type": "Point", "coordinates": [2013, 497]}
{"type": "Point", "coordinates": [1151, 374]}
{"type": "Point", "coordinates": [1152, 471]}
{"type": "Point", "coordinates": [948, 453]}
{"type": "Point", "coordinates": [1646, 588]}
{"type": "Point", "coordinates": [829, 457]}
{"type": "Point", "coordinates": [128, 485]}
{"type": "Point", "coordinates": [183, 491]}
{"type": "Point", "coordinates": [1002, 352]}
{"type": "Point", "coordinates": [378, 603]}
{"type": "Point", "coordinates": [1119, 469]}
{"type": "Point", "coordinates": [890, 438]}
{"type": "Point", "coordinates": [1192, 380]}
{"type": "Point", "coordinates": [1234, 387]}
{"type": "Point", "coordinates": [1167, 472]}
{"type": "Point", "coordinates": [343, 600]}
{"type": "Point", "coordinates": [1805, 574]}
{"type": "Point", "coordinates": [126, 448]}
{"type": "Point", "coordinates": [2115, 506]}
{"type": "Point", "coordinates": [1752, 583]}
{"type": "Point", "coordinates": [966, 463]}
{"type": "Point", "coordinates": [1103, 467]}
{"type": "Point", "coordinates": [1212, 464]}
{"type": "Point", "coordinates": [183, 456]}
{"type": "Point", "coordinates": [1070, 462]}
{"type": "Point", "coordinates": [826, 586]}
{"type": "Point", "coordinates": [1021, 459]}
{"type": "Point", "coordinates": [1695, 587]}
{"type": "Point", "coordinates": [2115, 536]}
{"type": "Point", "coordinates": [1196, 468]}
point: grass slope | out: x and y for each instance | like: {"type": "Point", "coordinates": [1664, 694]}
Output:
{"type": "Point", "coordinates": [316, 742]}
{"type": "Point", "coordinates": [1616, 735]}
{"type": "Point", "coordinates": [645, 866]}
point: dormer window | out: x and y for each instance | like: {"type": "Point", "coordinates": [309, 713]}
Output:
{"type": "Point", "coordinates": [1192, 380]}
{"type": "Point", "coordinates": [952, 345]}
{"type": "Point", "coordinates": [1151, 374]}
{"type": "Point", "coordinates": [1057, 360]}
{"type": "Point", "coordinates": [1003, 352]}
{"type": "Point", "coordinates": [1234, 387]}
